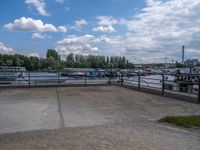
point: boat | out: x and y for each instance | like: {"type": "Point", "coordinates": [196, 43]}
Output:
{"type": "Point", "coordinates": [181, 82]}
{"type": "Point", "coordinates": [91, 74]}
{"type": "Point", "coordinates": [76, 72]}
{"type": "Point", "coordinates": [9, 74]}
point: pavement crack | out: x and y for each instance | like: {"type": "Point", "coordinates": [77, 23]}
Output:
{"type": "Point", "coordinates": [62, 124]}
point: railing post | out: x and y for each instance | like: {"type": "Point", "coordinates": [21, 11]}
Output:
{"type": "Point", "coordinates": [122, 79]}
{"type": "Point", "coordinates": [138, 81]}
{"type": "Point", "coordinates": [199, 91]}
{"type": "Point", "coordinates": [58, 81]}
{"type": "Point", "coordinates": [163, 85]}
{"type": "Point", "coordinates": [85, 78]}
{"type": "Point", "coordinates": [110, 78]}
{"type": "Point", "coordinates": [29, 79]}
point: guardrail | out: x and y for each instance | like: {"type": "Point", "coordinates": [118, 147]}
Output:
{"type": "Point", "coordinates": [182, 84]}
{"type": "Point", "coordinates": [11, 79]}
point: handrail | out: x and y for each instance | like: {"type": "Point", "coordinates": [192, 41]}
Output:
{"type": "Point", "coordinates": [185, 82]}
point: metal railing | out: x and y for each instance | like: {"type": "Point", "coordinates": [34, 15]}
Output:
{"type": "Point", "coordinates": [183, 84]}
{"type": "Point", "coordinates": [10, 78]}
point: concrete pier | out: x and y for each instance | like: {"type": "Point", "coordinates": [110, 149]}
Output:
{"type": "Point", "coordinates": [95, 117]}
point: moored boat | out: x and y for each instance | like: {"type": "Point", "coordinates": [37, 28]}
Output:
{"type": "Point", "coordinates": [9, 74]}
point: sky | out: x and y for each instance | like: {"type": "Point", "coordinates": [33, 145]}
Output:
{"type": "Point", "coordinates": [145, 31]}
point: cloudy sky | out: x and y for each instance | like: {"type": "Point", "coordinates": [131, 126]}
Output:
{"type": "Point", "coordinates": [145, 31]}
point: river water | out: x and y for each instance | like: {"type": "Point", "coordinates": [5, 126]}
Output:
{"type": "Point", "coordinates": [55, 78]}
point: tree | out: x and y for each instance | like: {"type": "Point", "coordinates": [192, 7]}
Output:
{"type": "Point", "coordinates": [53, 53]}
{"type": "Point", "coordinates": [9, 62]}
{"type": "Point", "coordinates": [52, 61]}
{"type": "Point", "coordinates": [70, 57]}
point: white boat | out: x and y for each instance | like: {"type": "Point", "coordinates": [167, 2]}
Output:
{"type": "Point", "coordinates": [9, 74]}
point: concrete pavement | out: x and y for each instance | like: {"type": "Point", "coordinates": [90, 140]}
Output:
{"type": "Point", "coordinates": [99, 117]}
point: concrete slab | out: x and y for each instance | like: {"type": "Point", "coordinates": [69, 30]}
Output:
{"type": "Point", "coordinates": [28, 109]}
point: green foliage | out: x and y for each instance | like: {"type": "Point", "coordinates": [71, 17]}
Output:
{"type": "Point", "coordinates": [51, 53]}
{"type": "Point", "coordinates": [53, 61]}
{"type": "Point", "coordinates": [179, 65]}
{"type": "Point", "coordinates": [91, 61]}
{"type": "Point", "coordinates": [184, 121]}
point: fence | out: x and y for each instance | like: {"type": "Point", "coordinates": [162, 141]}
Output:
{"type": "Point", "coordinates": [186, 85]}
{"type": "Point", "coordinates": [30, 79]}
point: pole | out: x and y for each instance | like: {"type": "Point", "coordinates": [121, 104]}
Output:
{"type": "Point", "coordinates": [122, 79]}
{"type": "Point", "coordinates": [110, 75]}
{"type": "Point", "coordinates": [183, 54]}
{"type": "Point", "coordinates": [85, 78]}
{"type": "Point", "coordinates": [58, 78]}
{"type": "Point", "coordinates": [29, 79]}
{"type": "Point", "coordinates": [138, 81]}
{"type": "Point", "coordinates": [199, 91]}
{"type": "Point", "coordinates": [163, 85]}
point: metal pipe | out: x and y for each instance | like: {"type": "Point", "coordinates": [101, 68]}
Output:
{"type": "Point", "coordinates": [58, 78]}
{"type": "Point", "coordinates": [199, 91]}
{"type": "Point", "coordinates": [85, 78]}
{"type": "Point", "coordinates": [29, 79]}
{"type": "Point", "coordinates": [122, 79]}
{"type": "Point", "coordinates": [183, 54]}
{"type": "Point", "coordinates": [163, 85]}
{"type": "Point", "coordinates": [138, 81]}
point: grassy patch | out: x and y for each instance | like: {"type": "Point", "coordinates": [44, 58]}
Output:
{"type": "Point", "coordinates": [183, 121]}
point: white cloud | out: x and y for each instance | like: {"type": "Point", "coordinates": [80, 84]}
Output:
{"type": "Point", "coordinates": [89, 48]}
{"type": "Point", "coordinates": [104, 29]}
{"type": "Point", "coordinates": [73, 39]}
{"type": "Point", "coordinates": [161, 29]}
{"type": "Point", "coordinates": [80, 23]}
{"type": "Point", "coordinates": [62, 29]}
{"type": "Point", "coordinates": [4, 49]}
{"type": "Point", "coordinates": [40, 36]}
{"type": "Point", "coordinates": [34, 55]}
{"type": "Point", "coordinates": [37, 36]}
{"type": "Point", "coordinates": [153, 2]}
{"type": "Point", "coordinates": [39, 5]}
{"type": "Point", "coordinates": [106, 21]}
{"type": "Point", "coordinates": [60, 1]}
{"type": "Point", "coordinates": [157, 31]}
{"type": "Point", "coordinates": [89, 44]}
{"type": "Point", "coordinates": [29, 24]}
{"type": "Point", "coordinates": [77, 45]}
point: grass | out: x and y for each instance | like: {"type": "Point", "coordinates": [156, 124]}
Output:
{"type": "Point", "coordinates": [183, 121]}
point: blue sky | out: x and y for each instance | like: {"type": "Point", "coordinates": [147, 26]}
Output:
{"type": "Point", "coordinates": [142, 30]}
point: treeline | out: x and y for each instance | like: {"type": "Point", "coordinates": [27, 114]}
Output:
{"type": "Point", "coordinates": [53, 61]}
{"type": "Point", "coordinates": [91, 61]}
